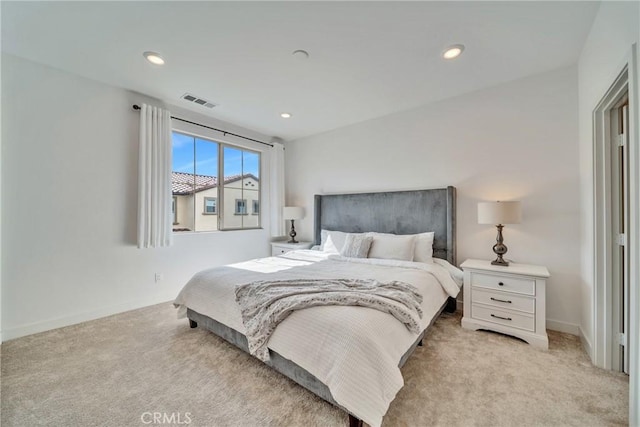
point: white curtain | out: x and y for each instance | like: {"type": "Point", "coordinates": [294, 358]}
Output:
{"type": "Point", "coordinates": [154, 178]}
{"type": "Point", "coordinates": [276, 197]}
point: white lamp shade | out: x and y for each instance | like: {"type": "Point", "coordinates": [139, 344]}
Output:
{"type": "Point", "coordinates": [292, 212]}
{"type": "Point", "coordinates": [499, 213]}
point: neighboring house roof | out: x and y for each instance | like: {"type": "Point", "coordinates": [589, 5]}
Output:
{"type": "Point", "coordinates": [187, 183]}
{"type": "Point", "coordinates": [183, 183]}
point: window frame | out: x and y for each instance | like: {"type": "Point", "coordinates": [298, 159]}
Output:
{"type": "Point", "coordinates": [244, 205]}
{"type": "Point", "coordinates": [215, 207]}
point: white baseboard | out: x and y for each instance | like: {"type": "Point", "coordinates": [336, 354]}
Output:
{"type": "Point", "coordinates": [47, 325]}
{"type": "Point", "coordinates": [568, 328]}
{"type": "Point", "coordinates": [586, 344]}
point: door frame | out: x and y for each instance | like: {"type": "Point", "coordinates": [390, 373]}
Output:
{"type": "Point", "coordinates": [618, 295]}
{"type": "Point", "coordinates": [626, 79]}
{"type": "Point", "coordinates": [604, 240]}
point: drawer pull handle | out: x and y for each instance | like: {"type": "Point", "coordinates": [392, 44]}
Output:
{"type": "Point", "coordinates": [500, 300]}
{"type": "Point", "coordinates": [500, 317]}
{"type": "Point", "coordinates": [500, 284]}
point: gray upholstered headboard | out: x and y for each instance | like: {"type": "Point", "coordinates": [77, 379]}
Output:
{"type": "Point", "coordinates": [397, 212]}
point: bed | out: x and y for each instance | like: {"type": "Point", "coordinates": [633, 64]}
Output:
{"type": "Point", "coordinates": [299, 347]}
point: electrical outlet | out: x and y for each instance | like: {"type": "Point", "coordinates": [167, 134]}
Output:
{"type": "Point", "coordinates": [159, 277]}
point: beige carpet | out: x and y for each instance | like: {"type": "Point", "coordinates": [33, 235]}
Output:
{"type": "Point", "coordinates": [112, 371]}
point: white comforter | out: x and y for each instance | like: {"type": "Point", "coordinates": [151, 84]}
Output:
{"type": "Point", "coordinates": [354, 351]}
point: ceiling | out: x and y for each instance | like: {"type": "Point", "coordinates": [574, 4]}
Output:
{"type": "Point", "coordinates": [367, 59]}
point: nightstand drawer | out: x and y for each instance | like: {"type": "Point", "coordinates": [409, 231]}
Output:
{"type": "Point", "coordinates": [279, 250]}
{"type": "Point", "coordinates": [503, 317]}
{"type": "Point", "coordinates": [508, 301]}
{"type": "Point", "coordinates": [504, 283]}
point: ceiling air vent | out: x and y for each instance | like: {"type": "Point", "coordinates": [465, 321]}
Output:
{"type": "Point", "coordinates": [199, 101]}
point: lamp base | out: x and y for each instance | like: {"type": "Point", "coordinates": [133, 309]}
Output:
{"type": "Point", "coordinates": [500, 261]}
{"type": "Point", "coordinates": [292, 234]}
{"type": "Point", "coordinates": [499, 249]}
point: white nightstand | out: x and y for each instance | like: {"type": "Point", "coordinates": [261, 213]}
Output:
{"type": "Point", "coordinates": [510, 300]}
{"type": "Point", "coordinates": [279, 248]}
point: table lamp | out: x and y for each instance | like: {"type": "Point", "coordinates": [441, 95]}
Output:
{"type": "Point", "coordinates": [292, 213]}
{"type": "Point", "coordinates": [499, 213]}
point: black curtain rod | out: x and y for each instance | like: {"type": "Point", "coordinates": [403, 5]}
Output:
{"type": "Point", "coordinates": [137, 107]}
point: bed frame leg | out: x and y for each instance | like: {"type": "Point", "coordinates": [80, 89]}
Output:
{"type": "Point", "coordinates": [193, 324]}
{"type": "Point", "coordinates": [451, 305]}
{"type": "Point", "coordinates": [420, 344]}
{"type": "Point", "coordinates": [354, 422]}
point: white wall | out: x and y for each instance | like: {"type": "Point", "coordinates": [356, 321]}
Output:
{"type": "Point", "coordinates": [0, 199]}
{"type": "Point", "coordinates": [607, 48]}
{"type": "Point", "coordinates": [69, 195]}
{"type": "Point", "coordinates": [516, 141]}
{"type": "Point", "coordinates": [614, 30]}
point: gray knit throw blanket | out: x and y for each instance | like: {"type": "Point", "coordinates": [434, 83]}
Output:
{"type": "Point", "coordinates": [264, 304]}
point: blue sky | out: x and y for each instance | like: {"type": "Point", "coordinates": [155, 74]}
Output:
{"type": "Point", "coordinates": [206, 157]}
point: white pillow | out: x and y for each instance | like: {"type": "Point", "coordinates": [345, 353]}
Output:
{"type": "Point", "coordinates": [356, 245]}
{"type": "Point", "coordinates": [423, 252]}
{"type": "Point", "coordinates": [332, 241]}
{"type": "Point", "coordinates": [391, 246]}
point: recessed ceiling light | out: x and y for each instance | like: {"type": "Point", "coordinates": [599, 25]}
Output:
{"type": "Point", "coordinates": [285, 115]}
{"type": "Point", "coordinates": [453, 51]}
{"type": "Point", "coordinates": [154, 58]}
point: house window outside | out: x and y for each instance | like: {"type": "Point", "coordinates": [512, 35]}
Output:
{"type": "Point", "coordinates": [256, 207]}
{"type": "Point", "coordinates": [174, 209]}
{"type": "Point", "coordinates": [210, 205]}
{"type": "Point", "coordinates": [241, 207]}
{"type": "Point", "coordinates": [208, 178]}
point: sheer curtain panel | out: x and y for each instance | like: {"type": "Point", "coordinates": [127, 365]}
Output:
{"type": "Point", "coordinates": [154, 178]}
{"type": "Point", "coordinates": [276, 198]}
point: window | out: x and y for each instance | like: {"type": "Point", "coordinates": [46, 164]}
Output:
{"type": "Point", "coordinates": [174, 209]}
{"type": "Point", "coordinates": [210, 205]}
{"type": "Point", "coordinates": [241, 207]}
{"type": "Point", "coordinates": [209, 178]}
